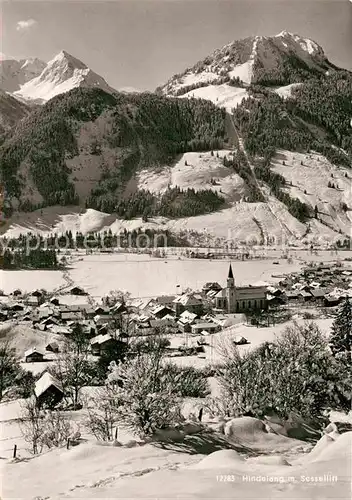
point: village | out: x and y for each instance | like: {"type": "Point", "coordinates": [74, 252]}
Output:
{"type": "Point", "coordinates": [189, 320]}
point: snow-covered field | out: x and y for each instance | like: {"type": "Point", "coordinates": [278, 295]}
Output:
{"type": "Point", "coordinates": [144, 276]}
{"type": "Point", "coordinates": [224, 96]}
{"type": "Point", "coordinates": [255, 336]}
{"type": "Point", "coordinates": [30, 280]}
{"type": "Point", "coordinates": [196, 171]}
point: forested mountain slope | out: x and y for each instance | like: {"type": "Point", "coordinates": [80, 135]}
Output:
{"type": "Point", "coordinates": [224, 145]}
{"type": "Point", "coordinates": [84, 147]}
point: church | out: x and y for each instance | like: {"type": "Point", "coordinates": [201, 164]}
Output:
{"type": "Point", "coordinates": [234, 299]}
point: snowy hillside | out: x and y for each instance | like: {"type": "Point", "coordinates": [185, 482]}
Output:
{"type": "Point", "coordinates": [61, 74]}
{"type": "Point", "coordinates": [308, 178]}
{"type": "Point", "coordinates": [252, 59]}
{"type": "Point", "coordinates": [243, 459]}
{"type": "Point", "coordinates": [225, 96]}
{"type": "Point", "coordinates": [198, 171]}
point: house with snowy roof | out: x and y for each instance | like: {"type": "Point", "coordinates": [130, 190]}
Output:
{"type": "Point", "coordinates": [48, 391]}
{"type": "Point", "coordinates": [102, 343]}
{"type": "Point", "coordinates": [188, 302]}
{"type": "Point", "coordinates": [33, 355]}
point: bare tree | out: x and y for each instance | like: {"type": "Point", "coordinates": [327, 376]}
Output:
{"type": "Point", "coordinates": [43, 429]}
{"type": "Point", "coordinates": [72, 367]}
{"type": "Point", "coordinates": [102, 413]}
{"type": "Point", "coordinates": [31, 423]}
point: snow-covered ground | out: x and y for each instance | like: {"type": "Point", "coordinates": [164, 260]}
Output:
{"type": "Point", "coordinates": [30, 280]}
{"type": "Point", "coordinates": [286, 90]}
{"type": "Point", "coordinates": [246, 462]}
{"type": "Point", "coordinates": [196, 171]}
{"type": "Point", "coordinates": [310, 175]}
{"type": "Point", "coordinates": [255, 336]}
{"type": "Point", "coordinates": [224, 96]}
{"type": "Point", "coordinates": [144, 276]}
{"type": "Point", "coordinates": [244, 71]}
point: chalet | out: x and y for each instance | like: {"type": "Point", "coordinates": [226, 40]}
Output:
{"type": "Point", "coordinates": [35, 298]}
{"type": "Point", "coordinates": [3, 315]}
{"type": "Point", "coordinates": [275, 292]}
{"type": "Point", "coordinates": [52, 347]}
{"type": "Point", "coordinates": [17, 292]}
{"type": "Point", "coordinates": [16, 307]}
{"type": "Point", "coordinates": [88, 327]}
{"type": "Point", "coordinates": [306, 296]}
{"type": "Point", "coordinates": [142, 326]}
{"type": "Point", "coordinates": [165, 321]}
{"type": "Point", "coordinates": [103, 319]}
{"type": "Point", "coordinates": [212, 294]}
{"type": "Point", "coordinates": [32, 300]}
{"type": "Point", "coordinates": [46, 323]}
{"type": "Point", "coordinates": [71, 316]}
{"type": "Point", "coordinates": [292, 295]}
{"type": "Point", "coordinates": [186, 320]}
{"type": "Point", "coordinates": [331, 301]}
{"type": "Point", "coordinates": [55, 301]}
{"type": "Point", "coordinates": [226, 320]}
{"type": "Point", "coordinates": [139, 304]}
{"type": "Point", "coordinates": [161, 311]}
{"type": "Point", "coordinates": [318, 294]}
{"type": "Point", "coordinates": [188, 302]}
{"type": "Point", "coordinates": [77, 290]}
{"type": "Point", "coordinates": [101, 343]}
{"type": "Point", "coordinates": [48, 391]}
{"type": "Point", "coordinates": [33, 356]}
{"type": "Point", "coordinates": [275, 300]}
{"type": "Point", "coordinates": [209, 327]}
{"type": "Point", "coordinates": [61, 330]}
{"type": "Point", "coordinates": [102, 329]}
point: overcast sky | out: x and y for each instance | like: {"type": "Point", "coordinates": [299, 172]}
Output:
{"type": "Point", "coordinates": [141, 43]}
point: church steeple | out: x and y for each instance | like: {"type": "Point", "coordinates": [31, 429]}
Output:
{"type": "Point", "coordinates": [230, 278]}
{"type": "Point", "coordinates": [231, 292]}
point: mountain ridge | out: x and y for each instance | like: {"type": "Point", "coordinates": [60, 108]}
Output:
{"type": "Point", "coordinates": [283, 59]}
{"type": "Point", "coordinates": [128, 154]}
{"type": "Point", "coordinates": [61, 74]}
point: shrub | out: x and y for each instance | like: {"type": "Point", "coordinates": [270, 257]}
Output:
{"type": "Point", "coordinates": [43, 429]}
{"type": "Point", "coordinates": [144, 401]}
{"type": "Point", "coordinates": [185, 381]}
{"type": "Point", "coordinates": [296, 373]}
{"type": "Point", "coordinates": [341, 335]}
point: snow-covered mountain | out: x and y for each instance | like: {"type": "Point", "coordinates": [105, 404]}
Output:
{"type": "Point", "coordinates": [61, 74]}
{"type": "Point", "coordinates": [282, 59]}
{"type": "Point", "coordinates": [14, 74]}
